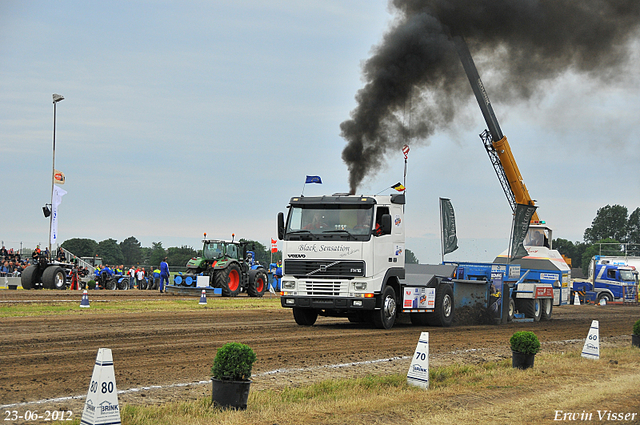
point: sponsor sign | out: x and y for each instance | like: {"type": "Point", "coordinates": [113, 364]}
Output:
{"type": "Point", "coordinates": [418, 374]}
{"type": "Point", "coordinates": [421, 298]}
{"type": "Point", "coordinates": [544, 291]}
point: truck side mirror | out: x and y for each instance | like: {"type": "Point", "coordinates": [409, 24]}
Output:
{"type": "Point", "coordinates": [386, 224]}
{"type": "Point", "coordinates": [280, 226]}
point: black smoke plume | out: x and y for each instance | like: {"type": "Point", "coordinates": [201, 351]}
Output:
{"type": "Point", "coordinates": [415, 68]}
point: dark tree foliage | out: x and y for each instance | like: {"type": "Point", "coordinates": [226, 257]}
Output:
{"type": "Point", "coordinates": [633, 227]}
{"type": "Point", "coordinates": [572, 250]}
{"type": "Point", "coordinates": [601, 247]}
{"type": "Point", "coordinates": [263, 254]}
{"type": "Point", "coordinates": [110, 252]}
{"type": "Point", "coordinates": [610, 223]}
{"type": "Point", "coordinates": [81, 247]}
{"type": "Point", "coordinates": [410, 257]}
{"type": "Point", "coordinates": [179, 256]}
{"type": "Point", "coordinates": [157, 254]}
{"type": "Point", "coordinates": [131, 251]}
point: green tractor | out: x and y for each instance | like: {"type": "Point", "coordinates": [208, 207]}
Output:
{"type": "Point", "coordinates": [230, 267]}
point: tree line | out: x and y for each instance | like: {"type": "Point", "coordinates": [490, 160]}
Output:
{"type": "Point", "coordinates": [130, 252]}
{"type": "Point", "coordinates": [613, 231]}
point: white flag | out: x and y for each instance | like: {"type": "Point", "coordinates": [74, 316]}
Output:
{"type": "Point", "coordinates": [58, 193]}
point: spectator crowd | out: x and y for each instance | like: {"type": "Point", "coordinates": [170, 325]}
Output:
{"type": "Point", "coordinates": [11, 263]}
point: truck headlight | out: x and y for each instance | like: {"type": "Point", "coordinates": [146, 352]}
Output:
{"type": "Point", "coordinates": [288, 284]}
{"type": "Point", "coordinates": [360, 286]}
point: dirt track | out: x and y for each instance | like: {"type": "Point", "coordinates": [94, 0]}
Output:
{"type": "Point", "coordinates": [44, 359]}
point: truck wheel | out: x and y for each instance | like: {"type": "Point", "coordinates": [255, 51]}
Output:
{"type": "Point", "coordinates": [54, 278]}
{"type": "Point", "coordinates": [547, 309]}
{"type": "Point", "coordinates": [28, 277]}
{"type": "Point", "coordinates": [229, 280]}
{"type": "Point", "coordinates": [532, 309]}
{"type": "Point", "coordinates": [443, 314]}
{"type": "Point", "coordinates": [386, 316]}
{"type": "Point", "coordinates": [512, 310]}
{"type": "Point", "coordinates": [305, 316]}
{"type": "Point", "coordinates": [604, 296]}
{"type": "Point", "coordinates": [257, 283]}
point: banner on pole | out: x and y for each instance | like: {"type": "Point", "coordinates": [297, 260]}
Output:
{"type": "Point", "coordinates": [274, 246]}
{"type": "Point", "coordinates": [521, 220]}
{"type": "Point", "coordinates": [448, 220]}
{"type": "Point", "coordinates": [58, 193]}
{"type": "Point", "coordinates": [58, 177]}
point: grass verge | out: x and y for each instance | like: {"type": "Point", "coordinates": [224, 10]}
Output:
{"type": "Point", "coordinates": [135, 306]}
{"type": "Point", "coordinates": [488, 393]}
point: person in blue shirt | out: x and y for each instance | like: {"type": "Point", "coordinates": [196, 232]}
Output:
{"type": "Point", "coordinates": [164, 274]}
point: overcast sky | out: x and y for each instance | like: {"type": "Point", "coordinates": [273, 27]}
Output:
{"type": "Point", "coordinates": [205, 116]}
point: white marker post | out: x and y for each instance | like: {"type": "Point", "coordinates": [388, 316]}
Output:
{"type": "Point", "coordinates": [101, 406]}
{"type": "Point", "coordinates": [418, 374]}
{"type": "Point", "coordinates": [591, 349]}
{"type": "Point", "coordinates": [576, 299]}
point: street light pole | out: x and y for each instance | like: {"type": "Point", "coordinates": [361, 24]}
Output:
{"type": "Point", "coordinates": [56, 98]}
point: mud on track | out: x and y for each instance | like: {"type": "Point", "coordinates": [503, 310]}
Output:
{"type": "Point", "coordinates": [50, 357]}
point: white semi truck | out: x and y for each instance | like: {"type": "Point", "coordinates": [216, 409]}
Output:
{"type": "Point", "coordinates": [344, 256]}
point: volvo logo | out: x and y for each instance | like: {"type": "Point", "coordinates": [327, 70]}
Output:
{"type": "Point", "coordinates": [297, 255]}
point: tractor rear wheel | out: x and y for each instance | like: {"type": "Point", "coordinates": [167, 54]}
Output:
{"type": "Point", "coordinates": [110, 283]}
{"type": "Point", "coordinates": [54, 277]}
{"type": "Point", "coordinates": [257, 283]}
{"type": "Point", "coordinates": [229, 280]}
{"type": "Point", "coordinates": [28, 277]}
{"type": "Point", "coordinates": [123, 283]}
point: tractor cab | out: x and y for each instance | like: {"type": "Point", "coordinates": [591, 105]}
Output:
{"type": "Point", "coordinates": [217, 249]}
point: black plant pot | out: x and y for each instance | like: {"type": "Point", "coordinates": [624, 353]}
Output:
{"type": "Point", "coordinates": [522, 360]}
{"type": "Point", "coordinates": [635, 340]}
{"type": "Point", "coordinates": [230, 394]}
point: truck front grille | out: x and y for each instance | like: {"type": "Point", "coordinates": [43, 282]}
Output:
{"type": "Point", "coordinates": [324, 269]}
{"type": "Point", "coordinates": [319, 288]}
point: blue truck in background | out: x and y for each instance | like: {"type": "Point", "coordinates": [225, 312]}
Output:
{"type": "Point", "coordinates": [611, 279]}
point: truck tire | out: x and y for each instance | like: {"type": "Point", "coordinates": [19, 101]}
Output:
{"type": "Point", "coordinates": [512, 310]}
{"type": "Point", "coordinates": [257, 283]}
{"type": "Point", "coordinates": [386, 316]}
{"type": "Point", "coordinates": [229, 280]}
{"type": "Point", "coordinates": [547, 309]}
{"type": "Point", "coordinates": [443, 314]}
{"type": "Point", "coordinates": [29, 277]}
{"type": "Point", "coordinates": [604, 296]}
{"type": "Point", "coordinates": [305, 316]}
{"type": "Point", "coordinates": [532, 309]}
{"type": "Point", "coordinates": [54, 277]}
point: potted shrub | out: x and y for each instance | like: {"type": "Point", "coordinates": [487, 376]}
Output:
{"type": "Point", "coordinates": [231, 375]}
{"type": "Point", "coordinates": [635, 338]}
{"type": "Point", "coordinates": [524, 347]}
{"type": "Point", "coordinates": [91, 284]}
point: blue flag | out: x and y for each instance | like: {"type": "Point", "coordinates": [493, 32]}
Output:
{"type": "Point", "coordinates": [313, 179]}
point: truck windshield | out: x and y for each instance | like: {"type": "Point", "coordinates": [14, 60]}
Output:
{"type": "Point", "coordinates": [627, 275]}
{"type": "Point", "coordinates": [212, 250]}
{"type": "Point", "coordinates": [337, 222]}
